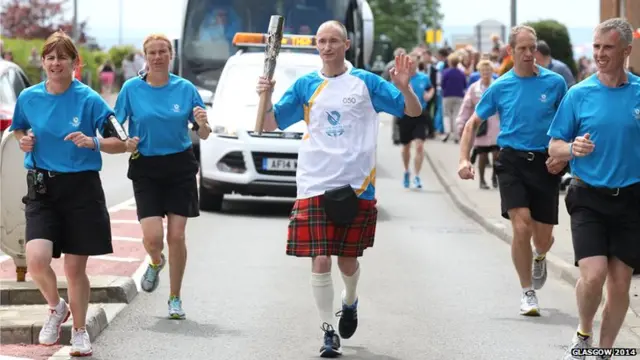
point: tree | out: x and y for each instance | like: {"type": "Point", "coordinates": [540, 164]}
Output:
{"type": "Point", "coordinates": [403, 20]}
{"type": "Point", "coordinates": [556, 35]}
{"type": "Point", "coordinates": [37, 19]}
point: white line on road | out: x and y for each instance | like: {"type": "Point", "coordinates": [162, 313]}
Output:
{"type": "Point", "coordinates": [135, 222]}
{"type": "Point", "coordinates": [137, 275]}
{"type": "Point", "coordinates": [123, 205]}
{"type": "Point", "coordinates": [115, 258]}
{"type": "Point", "coordinates": [63, 353]}
{"type": "Point", "coordinates": [136, 240]}
{"type": "Point", "coordinates": [126, 238]}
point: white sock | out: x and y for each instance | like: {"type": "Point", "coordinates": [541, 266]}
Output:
{"type": "Point", "coordinates": [322, 285]}
{"type": "Point", "coordinates": [349, 295]}
{"type": "Point", "coordinates": [524, 290]}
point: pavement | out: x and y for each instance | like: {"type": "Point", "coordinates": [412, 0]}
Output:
{"type": "Point", "coordinates": [484, 207]}
{"type": "Point", "coordinates": [435, 286]}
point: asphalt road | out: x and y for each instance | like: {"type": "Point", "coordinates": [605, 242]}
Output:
{"type": "Point", "coordinates": [435, 286]}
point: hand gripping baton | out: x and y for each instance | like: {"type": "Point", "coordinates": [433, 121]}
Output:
{"type": "Point", "coordinates": [274, 42]}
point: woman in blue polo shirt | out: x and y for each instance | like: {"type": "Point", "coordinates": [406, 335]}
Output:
{"type": "Point", "coordinates": [163, 167]}
{"type": "Point", "coordinates": [56, 122]}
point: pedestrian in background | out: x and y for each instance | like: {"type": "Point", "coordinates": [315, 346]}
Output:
{"type": "Point", "coordinates": [413, 129]}
{"type": "Point", "coordinates": [159, 105]}
{"type": "Point", "coordinates": [56, 122]}
{"type": "Point", "coordinates": [544, 59]}
{"type": "Point", "coordinates": [454, 83]}
{"type": "Point", "coordinates": [487, 135]}
{"type": "Point", "coordinates": [596, 127]}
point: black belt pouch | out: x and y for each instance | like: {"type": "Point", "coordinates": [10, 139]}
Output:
{"type": "Point", "coordinates": [35, 185]}
{"type": "Point", "coordinates": [341, 205]}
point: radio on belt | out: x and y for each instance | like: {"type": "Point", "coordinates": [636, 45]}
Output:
{"type": "Point", "coordinates": [112, 128]}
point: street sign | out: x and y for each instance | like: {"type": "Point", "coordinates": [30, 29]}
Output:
{"type": "Point", "coordinates": [433, 36]}
{"type": "Point", "coordinates": [13, 186]}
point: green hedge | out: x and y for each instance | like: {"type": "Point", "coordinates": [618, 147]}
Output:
{"type": "Point", "coordinates": [91, 60]}
{"type": "Point", "coordinates": [556, 35]}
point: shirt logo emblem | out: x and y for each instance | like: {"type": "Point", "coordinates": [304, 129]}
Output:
{"type": "Point", "coordinates": [543, 98]}
{"type": "Point", "coordinates": [336, 129]}
{"type": "Point", "coordinates": [75, 122]}
{"type": "Point", "coordinates": [636, 113]}
{"type": "Point", "coordinates": [176, 108]}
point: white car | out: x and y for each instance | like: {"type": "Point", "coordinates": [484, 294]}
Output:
{"type": "Point", "coordinates": [234, 159]}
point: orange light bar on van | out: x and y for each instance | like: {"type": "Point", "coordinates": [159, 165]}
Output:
{"type": "Point", "coordinates": [288, 40]}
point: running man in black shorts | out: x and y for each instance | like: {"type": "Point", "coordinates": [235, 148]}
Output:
{"type": "Point", "coordinates": [598, 127]}
{"type": "Point", "coordinates": [414, 129]}
{"type": "Point", "coordinates": [526, 99]}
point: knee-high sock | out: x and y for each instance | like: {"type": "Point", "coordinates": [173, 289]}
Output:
{"type": "Point", "coordinates": [322, 285]}
{"type": "Point", "coordinates": [349, 295]}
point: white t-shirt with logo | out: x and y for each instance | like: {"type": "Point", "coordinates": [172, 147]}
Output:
{"type": "Point", "coordinates": [342, 119]}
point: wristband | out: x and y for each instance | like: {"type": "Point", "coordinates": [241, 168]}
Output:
{"type": "Point", "coordinates": [571, 150]}
{"type": "Point", "coordinates": [96, 144]}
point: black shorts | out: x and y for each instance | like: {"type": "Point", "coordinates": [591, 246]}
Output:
{"type": "Point", "coordinates": [72, 214]}
{"type": "Point", "coordinates": [603, 224]}
{"type": "Point", "coordinates": [524, 182]}
{"type": "Point", "coordinates": [486, 149]}
{"type": "Point", "coordinates": [412, 128]}
{"type": "Point", "coordinates": [165, 184]}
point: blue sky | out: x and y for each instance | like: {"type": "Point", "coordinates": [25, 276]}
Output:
{"type": "Point", "coordinates": [141, 17]}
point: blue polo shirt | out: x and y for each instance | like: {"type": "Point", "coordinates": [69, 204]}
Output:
{"type": "Point", "coordinates": [611, 116]}
{"type": "Point", "coordinates": [52, 117]}
{"type": "Point", "coordinates": [420, 83]}
{"type": "Point", "coordinates": [158, 115]}
{"type": "Point", "coordinates": [526, 106]}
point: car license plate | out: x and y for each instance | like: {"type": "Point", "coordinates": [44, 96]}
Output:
{"type": "Point", "coordinates": [274, 164]}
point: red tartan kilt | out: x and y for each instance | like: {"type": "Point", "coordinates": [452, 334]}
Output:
{"type": "Point", "coordinates": [312, 234]}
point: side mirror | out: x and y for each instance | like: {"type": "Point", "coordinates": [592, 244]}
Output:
{"type": "Point", "coordinates": [207, 96]}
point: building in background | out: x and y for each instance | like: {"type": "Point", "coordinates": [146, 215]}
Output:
{"type": "Point", "coordinates": [484, 30]}
{"type": "Point", "coordinates": [629, 9]}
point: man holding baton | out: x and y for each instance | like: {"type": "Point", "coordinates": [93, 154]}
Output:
{"type": "Point", "coordinates": [335, 211]}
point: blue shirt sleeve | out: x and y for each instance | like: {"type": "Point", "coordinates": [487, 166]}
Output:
{"type": "Point", "coordinates": [19, 121]}
{"type": "Point", "coordinates": [289, 110]}
{"type": "Point", "coordinates": [197, 102]}
{"type": "Point", "coordinates": [385, 96]}
{"type": "Point", "coordinates": [428, 84]}
{"type": "Point", "coordinates": [565, 123]}
{"type": "Point", "coordinates": [562, 91]}
{"type": "Point", "coordinates": [487, 106]}
{"type": "Point", "coordinates": [122, 107]}
{"type": "Point", "coordinates": [99, 112]}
